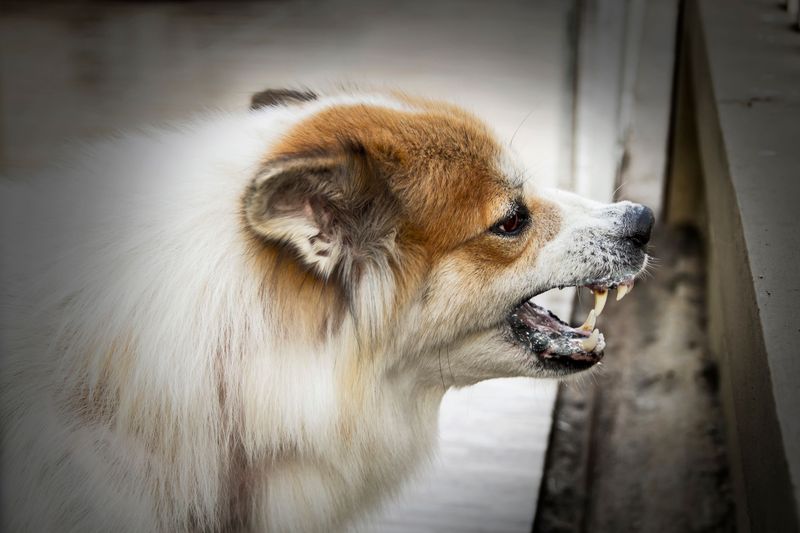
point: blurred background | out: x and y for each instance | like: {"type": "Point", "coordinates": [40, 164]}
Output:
{"type": "Point", "coordinates": [680, 105]}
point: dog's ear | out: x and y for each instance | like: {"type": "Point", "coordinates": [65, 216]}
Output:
{"type": "Point", "coordinates": [276, 97]}
{"type": "Point", "coordinates": [334, 211]}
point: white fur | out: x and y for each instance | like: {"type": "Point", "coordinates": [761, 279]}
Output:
{"type": "Point", "coordinates": [133, 243]}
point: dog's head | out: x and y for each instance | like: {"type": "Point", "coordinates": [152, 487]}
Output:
{"type": "Point", "coordinates": [405, 226]}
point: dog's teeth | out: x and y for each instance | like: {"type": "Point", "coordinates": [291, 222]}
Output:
{"type": "Point", "coordinates": [622, 290]}
{"type": "Point", "coordinates": [591, 343]}
{"type": "Point", "coordinates": [590, 321]}
{"type": "Point", "coordinates": [600, 297]}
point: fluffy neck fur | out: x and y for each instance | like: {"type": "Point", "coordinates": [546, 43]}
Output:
{"type": "Point", "coordinates": [186, 405]}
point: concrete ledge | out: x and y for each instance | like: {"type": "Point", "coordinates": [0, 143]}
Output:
{"type": "Point", "coordinates": [739, 108]}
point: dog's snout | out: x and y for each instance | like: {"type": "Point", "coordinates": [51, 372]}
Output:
{"type": "Point", "coordinates": [639, 224]}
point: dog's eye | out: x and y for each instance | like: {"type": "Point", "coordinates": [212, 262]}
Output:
{"type": "Point", "coordinates": [513, 224]}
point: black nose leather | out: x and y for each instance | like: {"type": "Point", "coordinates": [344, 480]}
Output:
{"type": "Point", "coordinates": [640, 220]}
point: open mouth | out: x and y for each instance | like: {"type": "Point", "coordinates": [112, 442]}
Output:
{"type": "Point", "coordinates": [555, 342]}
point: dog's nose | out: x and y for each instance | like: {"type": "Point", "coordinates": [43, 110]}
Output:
{"type": "Point", "coordinates": [640, 220]}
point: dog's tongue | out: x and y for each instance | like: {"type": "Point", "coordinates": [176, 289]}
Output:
{"type": "Point", "coordinates": [548, 336]}
{"type": "Point", "coordinates": [544, 333]}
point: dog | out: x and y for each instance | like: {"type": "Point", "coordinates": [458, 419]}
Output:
{"type": "Point", "coordinates": [238, 323]}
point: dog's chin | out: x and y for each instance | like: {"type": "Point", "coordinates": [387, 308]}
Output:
{"type": "Point", "coordinates": [555, 348]}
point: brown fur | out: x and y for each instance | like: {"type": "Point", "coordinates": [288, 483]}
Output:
{"type": "Point", "coordinates": [440, 165]}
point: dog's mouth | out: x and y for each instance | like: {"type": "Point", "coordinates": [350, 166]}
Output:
{"type": "Point", "coordinates": [557, 344]}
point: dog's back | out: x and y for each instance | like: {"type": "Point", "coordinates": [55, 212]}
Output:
{"type": "Point", "coordinates": [115, 258]}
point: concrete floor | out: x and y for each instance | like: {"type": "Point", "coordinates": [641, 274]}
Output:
{"type": "Point", "coordinates": [85, 70]}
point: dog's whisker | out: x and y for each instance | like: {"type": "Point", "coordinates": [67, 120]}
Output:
{"type": "Point", "coordinates": [511, 142]}
{"type": "Point", "coordinates": [452, 376]}
{"type": "Point", "coordinates": [441, 373]}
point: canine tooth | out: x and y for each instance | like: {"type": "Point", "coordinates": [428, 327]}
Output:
{"type": "Point", "coordinates": [591, 343]}
{"type": "Point", "coordinates": [622, 290]}
{"type": "Point", "coordinates": [590, 321]}
{"type": "Point", "coordinates": [600, 300]}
